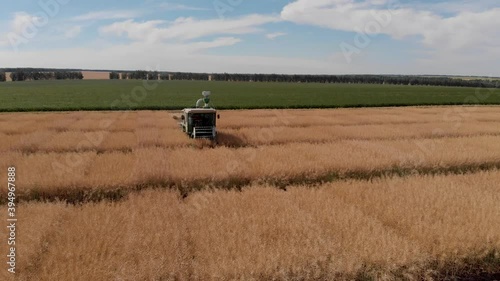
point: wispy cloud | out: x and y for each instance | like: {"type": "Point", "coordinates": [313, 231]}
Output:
{"type": "Point", "coordinates": [459, 31]}
{"type": "Point", "coordinates": [272, 36]}
{"type": "Point", "coordinates": [186, 28]}
{"type": "Point", "coordinates": [73, 32]}
{"type": "Point", "coordinates": [20, 28]}
{"type": "Point", "coordinates": [180, 7]}
{"type": "Point", "coordinates": [456, 6]}
{"type": "Point", "coordinates": [180, 57]}
{"type": "Point", "coordinates": [23, 20]}
{"type": "Point", "coordinates": [108, 15]}
{"type": "Point", "coordinates": [219, 42]}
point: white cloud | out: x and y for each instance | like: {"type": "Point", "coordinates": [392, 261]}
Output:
{"type": "Point", "coordinates": [272, 36]}
{"type": "Point", "coordinates": [185, 28]}
{"type": "Point", "coordinates": [219, 42]}
{"type": "Point", "coordinates": [108, 15]}
{"type": "Point", "coordinates": [456, 6]}
{"type": "Point", "coordinates": [20, 29]}
{"type": "Point", "coordinates": [190, 57]}
{"type": "Point", "coordinates": [462, 30]}
{"type": "Point", "coordinates": [139, 31]}
{"type": "Point", "coordinates": [73, 31]}
{"type": "Point", "coordinates": [22, 21]}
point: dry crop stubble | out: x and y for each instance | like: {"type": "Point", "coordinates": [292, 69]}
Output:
{"type": "Point", "coordinates": [7, 142]}
{"type": "Point", "coordinates": [449, 216]}
{"type": "Point", "coordinates": [11, 127]}
{"type": "Point", "coordinates": [38, 225]}
{"type": "Point", "coordinates": [305, 118]}
{"type": "Point", "coordinates": [141, 240]}
{"type": "Point", "coordinates": [72, 141]}
{"type": "Point", "coordinates": [229, 167]}
{"type": "Point", "coordinates": [410, 227]}
{"type": "Point", "coordinates": [318, 134]}
{"type": "Point", "coordinates": [123, 141]}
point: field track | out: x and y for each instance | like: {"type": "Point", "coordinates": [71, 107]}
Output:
{"type": "Point", "coordinates": [380, 193]}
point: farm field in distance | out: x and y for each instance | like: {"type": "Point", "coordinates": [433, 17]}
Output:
{"type": "Point", "coordinates": [323, 194]}
{"type": "Point", "coordinates": [119, 95]}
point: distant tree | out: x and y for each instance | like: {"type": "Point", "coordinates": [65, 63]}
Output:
{"type": "Point", "coordinates": [152, 75]}
{"type": "Point", "coordinates": [114, 75]}
{"type": "Point", "coordinates": [3, 77]}
{"type": "Point", "coordinates": [68, 75]}
{"type": "Point", "coordinates": [19, 75]}
{"type": "Point", "coordinates": [164, 76]}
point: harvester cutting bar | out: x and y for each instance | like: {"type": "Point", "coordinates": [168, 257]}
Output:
{"type": "Point", "coordinates": [204, 132]}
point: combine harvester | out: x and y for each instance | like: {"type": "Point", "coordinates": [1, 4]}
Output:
{"type": "Point", "coordinates": [200, 122]}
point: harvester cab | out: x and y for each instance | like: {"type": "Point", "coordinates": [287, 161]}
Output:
{"type": "Point", "coordinates": [200, 122]}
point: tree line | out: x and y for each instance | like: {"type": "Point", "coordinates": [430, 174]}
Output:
{"type": "Point", "coordinates": [138, 75]}
{"type": "Point", "coordinates": [23, 75]}
{"type": "Point", "coordinates": [346, 79]}
{"type": "Point", "coordinates": [359, 79]}
{"type": "Point", "coordinates": [155, 75]}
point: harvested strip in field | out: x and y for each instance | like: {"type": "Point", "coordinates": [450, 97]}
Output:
{"type": "Point", "coordinates": [98, 115]}
{"type": "Point", "coordinates": [305, 118]}
{"type": "Point", "coordinates": [232, 168]}
{"type": "Point", "coordinates": [303, 162]}
{"type": "Point", "coordinates": [40, 173]}
{"type": "Point", "coordinates": [116, 167]}
{"type": "Point", "coordinates": [162, 137]}
{"type": "Point", "coordinates": [17, 127]}
{"type": "Point", "coordinates": [315, 134]}
{"type": "Point", "coordinates": [127, 124]}
{"type": "Point", "coordinates": [118, 141]}
{"type": "Point", "coordinates": [61, 125]}
{"type": "Point", "coordinates": [8, 142]}
{"type": "Point", "coordinates": [148, 136]}
{"type": "Point", "coordinates": [92, 124]}
{"type": "Point", "coordinates": [418, 227]}
{"type": "Point", "coordinates": [76, 141]}
{"type": "Point", "coordinates": [147, 122]}
{"type": "Point", "coordinates": [31, 142]}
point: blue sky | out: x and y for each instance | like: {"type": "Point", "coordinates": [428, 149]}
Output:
{"type": "Point", "coordinates": [458, 37]}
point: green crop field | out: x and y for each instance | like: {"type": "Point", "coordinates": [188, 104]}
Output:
{"type": "Point", "coordinates": [120, 95]}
